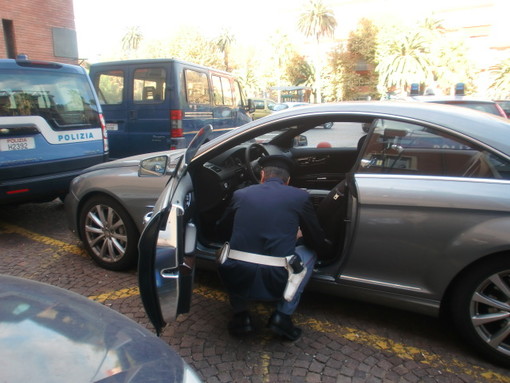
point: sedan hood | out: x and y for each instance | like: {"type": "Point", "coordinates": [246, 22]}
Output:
{"type": "Point", "coordinates": [49, 333]}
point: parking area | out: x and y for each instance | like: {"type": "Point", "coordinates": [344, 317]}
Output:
{"type": "Point", "coordinates": [343, 341]}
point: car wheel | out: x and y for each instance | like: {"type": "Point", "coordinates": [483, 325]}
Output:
{"type": "Point", "coordinates": [108, 233]}
{"type": "Point", "coordinates": [480, 308]}
{"type": "Point", "coordinates": [328, 125]}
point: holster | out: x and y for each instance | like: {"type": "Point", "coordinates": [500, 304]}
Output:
{"type": "Point", "coordinates": [294, 280]}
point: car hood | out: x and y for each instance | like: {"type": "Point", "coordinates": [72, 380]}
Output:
{"type": "Point", "coordinates": [50, 334]}
{"type": "Point", "coordinates": [135, 160]}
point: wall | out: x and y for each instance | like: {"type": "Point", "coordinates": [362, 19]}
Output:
{"type": "Point", "coordinates": [33, 24]}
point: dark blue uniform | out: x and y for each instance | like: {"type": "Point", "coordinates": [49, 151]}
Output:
{"type": "Point", "coordinates": [265, 219]}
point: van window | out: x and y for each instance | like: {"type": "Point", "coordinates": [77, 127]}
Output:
{"type": "Point", "coordinates": [110, 87]}
{"type": "Point", "coordinates": [65, 101]}
{"type": "Point", "coordinates": [222, 91]}
{"type": "Point", "coordinates": [197, 87]}
{"type": "Point", "coordinates": [149, 85]}
{"type": "Point", "coordinates": [239, 95]}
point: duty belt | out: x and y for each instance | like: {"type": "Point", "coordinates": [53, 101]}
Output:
{"type": "Point", "coordinates": [257, 258]}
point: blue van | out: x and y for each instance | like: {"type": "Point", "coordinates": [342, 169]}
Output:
{"type": "Point", "coordinates": [51, 128]}
{"type": "Point", "coordinates": [160, 104]}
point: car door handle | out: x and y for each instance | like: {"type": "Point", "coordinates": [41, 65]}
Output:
{"type": "Point", "coordinates": [172, 273]}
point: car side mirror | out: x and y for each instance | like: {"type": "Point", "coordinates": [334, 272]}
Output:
{"type": "Point", "coordinates": [251, 106]}
{"type": "Point", "coordinates": [153, 167]}
{"type": "Point", "coordinates": [300, 141]}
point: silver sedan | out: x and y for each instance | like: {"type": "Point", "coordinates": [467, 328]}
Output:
{"type": "Point", "coordinates": [418, 209]}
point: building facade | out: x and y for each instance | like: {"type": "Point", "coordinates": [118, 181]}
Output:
{"type": "Point", "coordinates": [40, 29]}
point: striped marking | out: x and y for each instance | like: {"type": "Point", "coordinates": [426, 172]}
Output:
{"type": "Point", "coordinates": [451, 366]}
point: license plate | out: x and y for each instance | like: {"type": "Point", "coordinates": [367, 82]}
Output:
{"type": "Point", "coordinates": [18, 143]}
{"type": "Point", "coordinates": [112, 126]}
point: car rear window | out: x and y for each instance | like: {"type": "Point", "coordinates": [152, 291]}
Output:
{"type": "Point", "coordinates": [65, 100]}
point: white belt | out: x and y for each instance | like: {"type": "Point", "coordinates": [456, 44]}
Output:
{"type": "Point", "coordinates": [257, 258]}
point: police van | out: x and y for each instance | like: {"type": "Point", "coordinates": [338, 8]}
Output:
{"type": "Point", "coordinates": [51, 128]}
{"type": "Point", "coordinates": [159, 104]}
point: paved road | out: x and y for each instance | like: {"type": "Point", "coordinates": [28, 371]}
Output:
{"type": "Point", "coordinates": [343, 341]}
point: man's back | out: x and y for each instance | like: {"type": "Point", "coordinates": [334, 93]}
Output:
{"type": "Point", "coordinates": [267, 218]}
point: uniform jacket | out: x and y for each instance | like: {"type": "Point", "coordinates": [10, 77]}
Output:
{"type": "Point", "coordinates": [264, 219]}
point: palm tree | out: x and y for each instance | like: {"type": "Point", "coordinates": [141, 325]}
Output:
{"type": "Point", "coordinates": [132, 38]}
{"type": "Point", "coordinates": [405, 61]}
{"type": "Point", "coordinates": [501, 83]}
{"type": "Point", "coordinates": [317, 21]}
{"type": "Point", "coordinates": [223, 43]}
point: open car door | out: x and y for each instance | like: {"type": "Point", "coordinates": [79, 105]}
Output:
{"type": "Point", "coordinates": [166, 248]}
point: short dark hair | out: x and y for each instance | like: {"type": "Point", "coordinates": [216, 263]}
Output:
{"type": "Point", "coordinates": [276, 172]}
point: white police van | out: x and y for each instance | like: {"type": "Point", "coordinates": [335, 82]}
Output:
{"type": "Point", "coordinates": [51, 128]}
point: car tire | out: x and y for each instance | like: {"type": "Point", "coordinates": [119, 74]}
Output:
{"type": "Point", "coordinates": [480, 308]}
{"type": "Point", "coordinates": [328, 125]}
{"type": "Point", "coordinates": [108, 233]}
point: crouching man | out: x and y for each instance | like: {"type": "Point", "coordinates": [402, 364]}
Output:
{"type": "Point", "coordinates": [270, 222]}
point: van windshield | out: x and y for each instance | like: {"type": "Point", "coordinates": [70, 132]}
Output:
{"type": "Point", "coordinates": [64, 100]}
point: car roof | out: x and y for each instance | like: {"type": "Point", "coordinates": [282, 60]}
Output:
{"type": "Point", "coordinates": [492, 130]}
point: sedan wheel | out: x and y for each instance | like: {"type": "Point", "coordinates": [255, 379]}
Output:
{"type": "Point", "coordinates": [481, 308]}
{"type": "Point", "coordinates": [108, 233]}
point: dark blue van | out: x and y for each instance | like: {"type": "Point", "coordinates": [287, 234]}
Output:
{"type": "Point", "coordinates": [51, 128]}
{"type": "Point", "coordinates": [160, 104]}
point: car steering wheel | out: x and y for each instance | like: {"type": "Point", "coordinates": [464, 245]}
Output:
{"type": "Point", "coordinates": [252, 166]}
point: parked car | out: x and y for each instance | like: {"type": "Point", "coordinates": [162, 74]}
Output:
{"type": "Point", "coordinates": [53, 335]}
{"type": "Point", "coordinates": [486, 106]}
{"type": "Point", "coordinates": [505, 105]}
{"type": "Point", "coordinates": [423, 225]}
{"type": "Point", "coordinates": [263, 107]}
{"type": "Point", "coordinates": [51, 128]}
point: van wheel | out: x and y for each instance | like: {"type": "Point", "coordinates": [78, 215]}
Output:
{"type": "Point", "coordinates": [108, 233]}
{"type": "Point", "coordinates": [480, 308]}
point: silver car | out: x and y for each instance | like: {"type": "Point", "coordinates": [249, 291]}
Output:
{"type": "Point", "coordinates": [422, 223]}
{"type": "Point", "coordinates": [49, 334]}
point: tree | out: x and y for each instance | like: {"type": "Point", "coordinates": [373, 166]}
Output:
{"type": "Point", "coordinates": [317, 21]}
{"type": "Point", "coordinates": [224, 43]}
{"type": "Point", "coordinates": [132, 39]}
{"type": "Point", "coordinates": [352, 73]}
{"type": "Point", "coordinates": [500, 86]}
{"type": "Point", "coordinates": [404, 60]}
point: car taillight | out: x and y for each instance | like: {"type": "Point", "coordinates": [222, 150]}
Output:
{"type": "Point", "coordinates": [104, 132]}
{"type": "Point", "coordinates": [176, 123]}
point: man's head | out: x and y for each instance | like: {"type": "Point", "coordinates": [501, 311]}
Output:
{"type": "Point", "coordinates": [276, 166]}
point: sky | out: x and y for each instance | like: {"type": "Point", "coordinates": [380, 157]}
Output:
{"type": "Point", "coordinates": [100, 24]}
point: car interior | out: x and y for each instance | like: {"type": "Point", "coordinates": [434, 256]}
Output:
{"type": "Point", "coordinates": [321, 168]}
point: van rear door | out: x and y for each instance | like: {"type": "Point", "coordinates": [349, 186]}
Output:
{"type": "Point", "coordinates": [110, 83]}
{"type": "Point", "coordinates": [148, 120]}
{"type": "Point", "coordinates": [135, 103]}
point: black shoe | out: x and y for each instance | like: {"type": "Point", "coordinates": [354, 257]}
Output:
{"type": "Point", "coordinates": [281, 324]}
{"type": "Point", "coordinates": [241, 324]}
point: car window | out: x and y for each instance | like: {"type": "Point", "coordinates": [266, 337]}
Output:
{"type": "Point", "coordinates": [110, 87]}
{"type": "Point", "coordinates": [149, 85]}
{"type": "Point", "coordinates": [197, 87]}
{"type": "Point", "coordinates": [410, 149]}
{"type": "Point", "coordinates": [337, 135]}
{"type": "Point", "coordinates": [64, 100]}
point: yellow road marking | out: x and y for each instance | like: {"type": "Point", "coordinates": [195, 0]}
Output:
{"type": "Point", "coordinates": [358, 336]}
{"type": "Point", "coordinates": [13, 229]}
